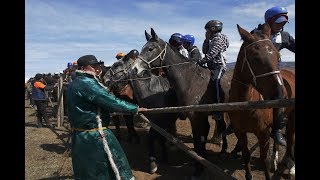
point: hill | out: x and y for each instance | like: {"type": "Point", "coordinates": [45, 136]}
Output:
{"type": "Point", "coordinates": [289, 64]}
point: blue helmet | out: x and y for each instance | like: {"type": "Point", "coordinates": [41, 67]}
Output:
{"type": "Point", "coordinates": [69, 64]}
{"type": "Point", "coordinates": [276, 14]}
{"type": "Point", "coordinates": [189, 39]}
{"type": "Point", "coordinates": [176, 39]}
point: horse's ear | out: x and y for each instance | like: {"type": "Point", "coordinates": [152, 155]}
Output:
{"type": "Point", "coordinates": [266, 29]}
{"type": "Point", "coordinates": [245, 35]}
{"type": "Point", "coordinates": [148, 36]}
{"type": "Point", "coordinates": [154, 35]}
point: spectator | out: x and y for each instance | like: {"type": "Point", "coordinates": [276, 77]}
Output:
{"type": "Point", "coordinates": [40, 99]}
{"type": "Point", "coordinates": [96, 153]}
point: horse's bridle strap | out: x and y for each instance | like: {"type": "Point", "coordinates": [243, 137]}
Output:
{"type": "Point", "coordinates": [251, 71]}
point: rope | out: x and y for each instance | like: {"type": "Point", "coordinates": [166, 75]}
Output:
{"type": "Point", "coordinates": [106, 147]}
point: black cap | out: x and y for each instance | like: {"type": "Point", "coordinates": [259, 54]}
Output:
{"type": "Point", "coordinates": [88, 60]}
{"type": "Point", "coordinates": [38, 76]}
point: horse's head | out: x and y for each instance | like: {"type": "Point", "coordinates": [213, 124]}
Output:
{"type": "Point", "coordinates": [257, 62]}
{"type": "Point", "coordinates": [152, 53]}
{"type": "Point", "coordinates": [116, 77]}
{"type": "Point", "coordinates": [156, 54]}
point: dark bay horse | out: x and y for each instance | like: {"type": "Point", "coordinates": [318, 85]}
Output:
{"type": "Point", "coordinates": [256, 72]}
{"type": "Point", "coordinates": [191, 83]}
{"type": "Point", "coordinates": [149, 91]}
{"type": "Point", "coordinates": [106, 77]}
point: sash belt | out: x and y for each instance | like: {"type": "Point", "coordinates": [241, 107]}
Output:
{"type": "Point", "coordinates": [88, 130]}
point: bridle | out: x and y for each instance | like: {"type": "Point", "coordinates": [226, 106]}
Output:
{"type": "Point", "coordinates": [161, 55]}
{"type": "Point", "coordinates": [251, 71]}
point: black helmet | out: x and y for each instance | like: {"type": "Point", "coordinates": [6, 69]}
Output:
{"type": "Point", "coordinates": [133, 54]}
{"type": "Point", "coordinates": [214, 23]}
{"type": "Point", "coordinates": [38, 76]}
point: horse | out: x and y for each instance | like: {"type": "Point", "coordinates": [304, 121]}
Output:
{"type": "Point", "coordinates": [256, 73]}
{"type": "Point", "coordinates": [106, 77]}
{"type": "Point", "coordinates": [149, 91]}
{"type": "Point", "coordinates": [190, 81]}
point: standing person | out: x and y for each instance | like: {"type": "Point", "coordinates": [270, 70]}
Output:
{"type": "Point", "coordinates": [29, 91]}
{"type": "Point", "coordinates": [277, 17]}
{"type": "Point", "coordinates": [40, 99]}
{"type": "Point", "coordinates": [193, 51]}
{"type": "Point", "coordinates": [120, 55]}
{"type": "Point", "coordinates": [214, 47]}
{"type": "Point", "coordinates": [96, 153]}
{"type": "Point", "coordinates": [176, 41]}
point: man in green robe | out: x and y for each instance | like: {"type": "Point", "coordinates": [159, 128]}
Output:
{"type": "Point", "coordinates": [96, 153]}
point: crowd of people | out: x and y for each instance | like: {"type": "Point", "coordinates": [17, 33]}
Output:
{"type": "Point", "coordinates": [96, 153]}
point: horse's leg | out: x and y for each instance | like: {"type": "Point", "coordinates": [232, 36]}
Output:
{"type": "Point", "coordinates": [243, 141]}
{"type": "Point", "coordinates": [264, 142]}
{"type": "Point", "coordinates": [236, 150]}
{"type": "Point", "coordinates": [291, 143]}
{"type": "Point", "coordinates": [224, 144]}
{"type": "Point", "coordinates": [132, 133]}
{"type": "Point", "coordinates": [163, 146]}
{"type": "Point", "coordinates": [219, 129]}
{"type": "Point", "coordinates": [288, 159]}
{"type": "Point", "coordinates": [152, 155]}
{"type": "Point", "coordinates": [275, 156]}
{"type": "Point", "coordinates": [116, 122]}
{"type": "Point", "coordinates": [200, 129]}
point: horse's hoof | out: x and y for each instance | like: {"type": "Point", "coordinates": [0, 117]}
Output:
{"type": "Point", "coordinates": [153, 167]}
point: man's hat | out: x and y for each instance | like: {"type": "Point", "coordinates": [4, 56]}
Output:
{"type": "Point", "coordinates": [88, 60]}
{"type": "Point", "coordinates": [38, 76]}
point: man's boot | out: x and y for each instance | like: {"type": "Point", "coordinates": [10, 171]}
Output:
{"type": "Point", "coordinates": [39, 122]}
{"type": "Point", "coordinates": [49, 125]}
{"type": "Point", "coordinates": [278, 124]}
{"type": "Point", "coordinates": [278, 137]}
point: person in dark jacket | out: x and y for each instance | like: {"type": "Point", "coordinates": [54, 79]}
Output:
{"type": "Point", "coordinates": [277, 17]}
{"type": "Point", "coordinates": [176, 41]}
{"type": "Point", "coordinates": [214, 48]}
{"type": "Point", "coordinates": [193, 51]}
{"type": "Point", "coordinates": [40, 99]}
{"type": "Point", "coordinates": [96, 153]}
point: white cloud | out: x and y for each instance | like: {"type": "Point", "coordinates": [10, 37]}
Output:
{"type": "Point", "coordinates": [59, 33]}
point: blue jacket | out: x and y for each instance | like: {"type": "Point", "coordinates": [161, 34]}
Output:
{"type": "Point", "coordinates": [38, 90]}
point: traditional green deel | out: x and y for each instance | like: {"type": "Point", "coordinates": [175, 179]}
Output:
{"type": "Point", "coordinates": [89, 158]}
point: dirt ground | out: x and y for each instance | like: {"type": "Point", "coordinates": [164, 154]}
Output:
{"type": "Point", "coordinates": [46, 155]}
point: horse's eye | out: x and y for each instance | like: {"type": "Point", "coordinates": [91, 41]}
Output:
{"type": "Point", "coordinates": [150, 49]}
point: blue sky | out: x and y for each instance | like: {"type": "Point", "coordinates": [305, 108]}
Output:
{"type": "Point", "coordinates": [61, 31]}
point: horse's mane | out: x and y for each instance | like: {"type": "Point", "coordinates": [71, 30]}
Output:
{"type": "Point", "coordinates": [116, 64]}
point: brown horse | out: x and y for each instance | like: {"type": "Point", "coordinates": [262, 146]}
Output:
{"type": "Point", "coordinates": [256, 72]}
